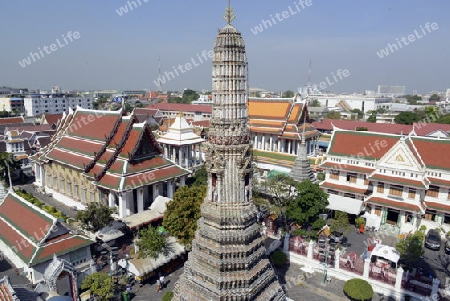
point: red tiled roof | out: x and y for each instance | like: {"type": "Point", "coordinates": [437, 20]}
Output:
{"type": "Point", "coordinates": [361, 144]}
{"type": "Point", "coordinates": [32, 128]}
{"type": "Point", "coordinates": [175, 107]}
{"type": "Point", "coordinates": [343, 188]}
{"type": "Point", "coordinates": [397, 180]}
{"type": "Point", "coordinates": [439, 182]}
{"type": "Point", "coordinates": [346, 167]}
{"type": "Point", "coordinates": [59, 247]}
{"type": "Point", "coordinates": [351, 125]}
{"type": "Point", "coordinates": [145, 111]}
{"type": "Point", "coordinates": [394, 204]}
{"type": "Point", "coordinates": [13, 239]}
{"type": "Point", "coordinates": [202, 123]}
{"type": "Point", "coordinates": [156, 162]}
{"type": "Point", "coordinates": [438, 206]}
{"type": "Point", "coordinates": [10, 120]}
{"type": "Point", "coordinates": [24, 218]}
{"type": "Point", "coordinates": [131, 142]}
{"type": "Point", "coordinates": [103, 123]}
{"type": "Point", "coordinates": [423, 129]}
{"type": "Point", "coordinates": [53, 118]}
{"type": "Point", "coordinates": [86, 147]}
{"type": "Point", "coordinates": [69, 158]}
{"type": "Point", "coordinates": [153, 176]}
{"type": "Point", "coordinates": [432, 152]}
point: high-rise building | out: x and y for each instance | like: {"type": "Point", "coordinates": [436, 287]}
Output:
{"type": "Point", "coordinates": [227, 261]}
{"type": "Point", "coordinates": [397, 90]}
{"type": "Point", "coordinates": [383, 89]}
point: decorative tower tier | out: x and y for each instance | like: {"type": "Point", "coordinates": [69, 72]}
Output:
{"type": "Point", "coordinates": [227, 261]}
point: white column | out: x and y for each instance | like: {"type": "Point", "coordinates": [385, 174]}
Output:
{"type": "Point", "coordinates": [180, 155]}
{"type": "Point", "coordinates": [170, 189]}
{"type": "Point", "coordinates": [182, 181]}
{"type": "Point", "coordinates": [140, 199]}
{"type": "Point", "coordinates": [166, 150]}
{"type": "Point", "coordinates": [337, 257]}
{"type": "Point", "coordinates": [271, 143]}
{"type": "Point", "coordinates": [174, 154]}
{"type": "Point", "coordinates": [186, 155]}
{"type": "Point", "coordinates": [263, 141]}
{"type": "Point", "coordinates": [155, 190]}
{"type": "Point", "coordinates": [110, 199]}
{"type": "Point", "coordinates": [311, 249]}
{"type": "Point", "coordinates": [122, 205]}
{"type": "Point", "coordinates": [289, 146]}
{"type": "Point", "coordinates": [200, 152]}
{"type": "Point", "coordinates": [282, 144]}
{"type": "Point", "coordinates": [434, 288]}
{"type": "Point", "coordinates": [398, 278]}
{"type": "Point", "coordinates": [42, 175]}
{"type": "Point", "coordinates": [366, 268]}
{"type": "Point", "coordinates": [255, 143]}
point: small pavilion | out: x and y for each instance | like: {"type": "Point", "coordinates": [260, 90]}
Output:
{"type": "Point", "coordinates": [181, 145]}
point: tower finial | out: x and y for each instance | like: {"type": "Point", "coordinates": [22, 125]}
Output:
{"type": "Point", "coordinates": [229, 15]}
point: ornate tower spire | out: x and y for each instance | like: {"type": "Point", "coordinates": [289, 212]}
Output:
{"type": "Point", "coordinates": [227, 261]}
{"type": "Point", "coordinates": [302, 169]}
{"type": "Point", "coordinates": [229, 15]}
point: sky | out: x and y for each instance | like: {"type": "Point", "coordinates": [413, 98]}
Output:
{"type": "Point", "coordinates": [109, 48]}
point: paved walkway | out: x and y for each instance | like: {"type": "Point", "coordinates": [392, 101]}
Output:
{"type": "Point", "coordinates": [48, 200]}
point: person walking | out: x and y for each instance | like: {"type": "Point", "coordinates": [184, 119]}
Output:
{"type": "Point", "coordinates": [158, 285]}
{"type": "Point", "coordinates": [161, 280]}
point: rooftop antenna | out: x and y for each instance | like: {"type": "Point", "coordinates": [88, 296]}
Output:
{"type": "Point", "coordinates": [309, 77]}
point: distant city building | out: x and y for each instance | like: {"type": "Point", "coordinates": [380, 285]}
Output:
{"type": "Point", "coordinates": [54, 103]}
{"type": "Point", "coordinates": [350, 102]}
{"type": "Point", "coordinates": [447, 94]}
{"type": "Point", "coordinates": [10, 104]}
{"type": "Point", "coordinates": [397, 90]}
{"type": "Point", "coordinates": [56, 89]}
{"type": "Point", "coordinates": [382, 89]}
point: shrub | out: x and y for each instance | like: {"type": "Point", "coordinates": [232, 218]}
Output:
{"type": "Point", "coordinates": [279, 258]}
{"type": "Point", "coordinates": [167, 296]}
{"type": "Point", "coordinates": [423, 228]}
{"type": "Point", "coordinates": [358, 289]}
{"type": "Point", "coordinates": [359, 221]}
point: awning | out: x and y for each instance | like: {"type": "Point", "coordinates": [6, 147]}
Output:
{"type": "Point", "coordinates": [386, 252]}
{"type": "Point", "coordinates": [110, 232]}
{"type": "Point", "coordinates": [345, 204]}
{"type": "Point", "coordinates": [155, 212]}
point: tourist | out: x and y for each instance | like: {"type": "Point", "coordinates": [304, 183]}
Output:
{"type": "Point", "coordinates": [161, 281]}
{"type": "Point", "coordinates": [158, 285]}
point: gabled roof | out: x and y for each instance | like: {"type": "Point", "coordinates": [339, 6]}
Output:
{"type": "Point", "coordinates": [366, 145]}
{"type": "Point", "coordinates": [109, 148]}
{"type": "Point", "coordinates": [52, 118]}
{"type": "Point", "coordinates": [180, 133]}
{"type": "Point", "coordinates": [33, 234]}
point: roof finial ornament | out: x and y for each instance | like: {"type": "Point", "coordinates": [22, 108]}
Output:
{"type": "Point", "coordinates": [229, 15]}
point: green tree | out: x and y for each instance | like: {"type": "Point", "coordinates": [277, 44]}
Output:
{"type": "Point", "coordinates": [333, 115]}
{"type": "Point", "coordinates": [288, 94]}
{"type": "Point", "coordinates": [411, 248]}
{"type": "Point", "coordinates": [310, 200]}
{"type": "Point", "coordinates": [151, 243]}
{"type": "Point", "coordinates": [372, 117]}
{"type": "Point", "coordinates": [182, 213]}
{"type": "Point", "coordinates": [200, 178]}
{"type": "Point", "coordinates": [315, 103]}
{"type": "Point", "coordinates": [434, 97]}
{"type": "Point", "coordinates": [281, 189]}
{"type": "Point", "coordinates": [381, 110]}
{"type": "Point", "coordinates": [359, 113]}
{"type": "Point", "coordinates": [8, 160]}
{"type": "Point", "coordinates": [175, 100]}
{"type": "Point", "coordinates": [189, 96]}
{"type": "Point", "coordinates": [444, 119]}
{"type": "Point", "coordinates": [95, 217]}
{"type": "Point", "coordinates": [340, 222]}
{"type": "Point", "coordinates": [406, 118]}
{"type": "Point", "coordinates": [100, 285]}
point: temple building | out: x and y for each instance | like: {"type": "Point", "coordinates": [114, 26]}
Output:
{"type": "Point", "coordinates": [182, 145]}
{"type": "Point", "coordinates": [276, 125]}
{"type": "Point", "coordinates": [31, 237]}
{"type": "Point", "coordinates": [105, 157]}
{"type": "Point", "coordinates": [227, 261]}
{"type": "Point", "coordinates": [401, 181]}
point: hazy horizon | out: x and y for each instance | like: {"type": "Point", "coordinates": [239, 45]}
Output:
{"type": "Point", "coordinates": [384, 43]}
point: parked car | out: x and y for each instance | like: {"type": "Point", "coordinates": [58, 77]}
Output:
{"type": "Point", "coordinates": [447, 246]}
{"type": "Point", "coordinates": [433, 240]}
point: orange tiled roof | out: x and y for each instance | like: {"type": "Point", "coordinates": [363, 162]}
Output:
{"type": "Point", "coordinates": [269, 109]}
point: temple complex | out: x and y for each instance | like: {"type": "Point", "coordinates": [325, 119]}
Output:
{"type": "Point", "coordinates": [227, 261]}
